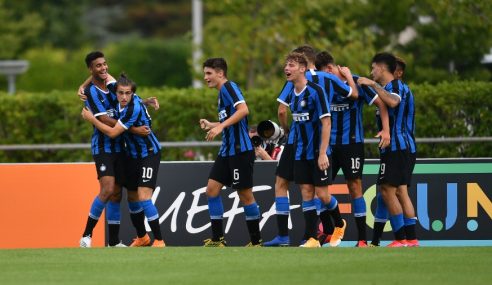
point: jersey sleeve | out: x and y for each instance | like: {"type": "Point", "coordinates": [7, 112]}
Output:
{"type": "Point", "coordinates": [284, 96]}
{"type": "Point", "coordinates": [130, 115]}
{"type": "Point", "coordinates": [322, 103]}
{"type": "Point", "coordinates": [232, 93]}
{"type": "Point", "coordinates": [94, 101]}
{"type": "Point", "coordinates": [368, 94]}
{"type": "Point", "coordinates": [340, 88]}
{"type": "Point", "coordinates": [396, 88]}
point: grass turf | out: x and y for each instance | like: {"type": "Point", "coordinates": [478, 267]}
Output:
{"type": "Point", "coordinates": [237, 266]}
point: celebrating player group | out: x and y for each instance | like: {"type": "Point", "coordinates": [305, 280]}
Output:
{"type": "Point", "coordinates": [326, 134]}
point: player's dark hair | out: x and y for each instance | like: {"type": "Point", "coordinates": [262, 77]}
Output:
{"type": "Point", "coordinates": [217, 63]}
{"type": "Point", "coordinates": [307, 51]}
{"type": "Point", "coordinates": [400, 63]}
{"type": "Point", "coordinates": [387, 59]}
{"type": "Point", "coordinates": [323, 59]}
{"type": "Point", "coordinates": [297, 57]}
{"type": "Point", "coordinates": [89, 58]}
{"type": "Point", "coordinates": [123, 80]}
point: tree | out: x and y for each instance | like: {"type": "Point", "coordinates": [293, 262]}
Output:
{"type": "Point", "coordinates": [454, 36]}
{"type": "Point", "coordinates": [17, 32]}
{"type": "Point", "coordinates": [255, 36]}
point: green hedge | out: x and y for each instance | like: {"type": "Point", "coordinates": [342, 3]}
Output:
{"type": "Point", "coordinates": [444, 110]}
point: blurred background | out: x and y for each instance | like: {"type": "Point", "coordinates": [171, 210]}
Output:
{"type": "Point", "coordinates": [447, 46]}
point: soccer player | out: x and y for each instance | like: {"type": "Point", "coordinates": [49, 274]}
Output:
{"type": "Point", "coordinates": [108, 153]}
{"type": "Point", "coordinates": [310, 110]}
{"type": "Point", "coordinates": [143, 153]}
{"type": "Point", "coordinates": [381, 215]}
{"type": "Point", "coordinates": [347, 137]}
{"type": "Point", "coordinates": [234, 164]}
{"type": "Point", "coordinates": [395, 159]}
{"type": "Point", "coordinates": [284, 172]}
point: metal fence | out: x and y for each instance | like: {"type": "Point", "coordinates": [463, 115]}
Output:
{"type": "Point", "coordinates": [184, 144]}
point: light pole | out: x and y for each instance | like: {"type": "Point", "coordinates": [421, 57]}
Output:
{"type": "Point", "coordinates": [197, 27]}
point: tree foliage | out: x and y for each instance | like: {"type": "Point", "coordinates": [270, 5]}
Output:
{"type": "Point", "coordinates": [439, 39]}
{"type": "Point", "coordinates": [17, 32]}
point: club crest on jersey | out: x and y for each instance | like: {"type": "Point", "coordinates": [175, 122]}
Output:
{"type": "Point", "coordinates": [102, 167]}
{"type": "Point", "coordinates": [111, 113]}
{"type": "Point", "coordinates": [222, 115]}
{"type": "Point", "coordinates": [303, 103]}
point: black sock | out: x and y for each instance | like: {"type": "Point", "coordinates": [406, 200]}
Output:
{"type": "Point", "coordinates": [156, 229]}
{"type": "Point", "coordinates": [410, 232]}
{"type": "Point", "coordinates": [361, 227]}
{"type": "Point", "coordinates": [400, 234]}
{"type": "Point", "coordinates": [283, 225]}
{"type": "Point", "coordinates": [114, 234]}
{"type": "Point", "coordinates": [377, 232]}
{"type": "Point", "coordinates": [325, 218]}
{"type": "Point", "coordinates": [138, 221]}
{"type": "Point", "coordinates": [310, 220]}
{"type": "Point", "coordinates": [254, 231]}
{"type": "Point", "coordinates": [89, 227]}
{"type": "Point", "coordinates": [217, 231]}
{"type": "Point", "coordinates": [337, 218]}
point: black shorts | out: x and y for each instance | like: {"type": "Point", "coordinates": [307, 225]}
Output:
{"type": "Point", "coordinates": [412, 159]}
{"type": "Point", "coordinates": [111, 164]}
{"type": "Point", "coordinates": [350, 158]}
{"type": "Point", "coordinates": [394, 168]}
{"type": "Point", "coordinates": [234, 171]}
{"type": "Point", "coordinates": [142, 172]}
{"type": "Point", "coordinates": [285, 165]}
{"type": "Point", "coordinates": [308, 172]}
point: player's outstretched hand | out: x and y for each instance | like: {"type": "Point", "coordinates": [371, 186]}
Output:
{"type": "Point", "coordinates": [384, 140]}
{"type": "Point", "coordinates": [142, 131]}
{"type": "Point", "coordinates": [205, 124]}
{"type": "Point", "coordinates": [214, 132]}
{"type": "Point", "coordinates": [152, 102]}
{"type": "Point", "coordinates": [81, 94]}
{"type": "Point", "coordinates": [323, 162]}
{"type": "Point", "coordinates": [344, 71]}
{"type": "Point", "coordinates": [87, 114]}
{"type": "Point", "coordinates": [365, 81]}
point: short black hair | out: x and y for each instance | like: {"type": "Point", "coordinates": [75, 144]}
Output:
{"type": "Point", "coordinates": [123, 80]}
{"type": "Point", "coordinates": [92, 56]}
{"type": "Point", "coordinates": [387, 59]}
{"type": "Point", "coordinates": [323, 59]}
{"type": "Point", "coordinates": [217, 63]}
{"type": "Point", "coordinates": [308, 51]}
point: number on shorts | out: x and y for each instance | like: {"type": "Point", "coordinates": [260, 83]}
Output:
{"type": "Point", "coordinates": [147, 172]}
{"type": "Point", "coordinates": [236, 174]}
{"type": "Point", "coordinates": [383, 167]}
{"type": "Point", "coordinates": [355, 162]}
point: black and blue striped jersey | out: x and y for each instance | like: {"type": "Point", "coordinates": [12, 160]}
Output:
{"type": "Point", "coordinates": [399, 140]}
{"type": "Point", "coordinates": [135, 114]}
{"type": "Point", "coordinates": [102, 102]}
{"type": "Point", "coordinates": [409, 114]}
{"type": "Point", "coordinates": [346, 116]}
{"type": "Point", "coordinates": [235, 138]}
{"type": "Point", "coordinates": [329, 82]}
{"type": "Point", "coordinates": [308, 108]}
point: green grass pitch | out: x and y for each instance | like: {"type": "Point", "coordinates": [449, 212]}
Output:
{"type": "Point", "coordinates": [252, 266]}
